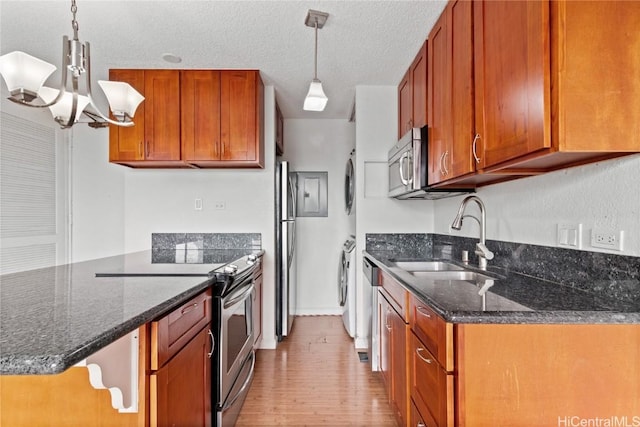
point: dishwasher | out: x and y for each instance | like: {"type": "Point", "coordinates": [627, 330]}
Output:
{"type": "Point", "coordinates": [373, 336]}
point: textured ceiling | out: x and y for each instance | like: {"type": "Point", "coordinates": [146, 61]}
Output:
{"type": "Point", "coordinates": [363, 42]}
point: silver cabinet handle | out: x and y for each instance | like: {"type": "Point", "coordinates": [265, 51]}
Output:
{"type": "Point", "coordinates": [189, 308]}
{"type": "Point", "coordinates": [444, 158]}
{"type": "Point", "coordinates": [213, 344]}
{"type": "Point", "coordinates": [404, 180]}
{"type": "Point", "coordinates": [141, 149]}
{"type": "Point", "coordinates": [474, 146]}
{"type": "Point", "coordinates": [386, 319]}
{"type": "Point", "coordinates": [421, 424]}
{"type": "Point", "coordinates": [146, 149]}
{"type": "Point", "coordinates": [442, 164]}
{"type": "Point", "coordinates": [423, 311]}
{"type": "Point", "coordinates": [420, 350]}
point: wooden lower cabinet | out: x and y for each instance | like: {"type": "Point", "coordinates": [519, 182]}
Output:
{"type": "Point", "coordinates": [393, 352]}
{"type": "Point", "coordinates": [180, 391]}
{"type": "Point", "coordinates": [548, 375]}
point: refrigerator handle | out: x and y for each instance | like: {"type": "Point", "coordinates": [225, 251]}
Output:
{"type": "Point", "coordinates": [292, 194]}
{"type": "Point", "coordinates": [292, 249]}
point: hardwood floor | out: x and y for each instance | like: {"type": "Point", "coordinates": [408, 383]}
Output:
{"type": "Point", "coordinates": [315, 378]}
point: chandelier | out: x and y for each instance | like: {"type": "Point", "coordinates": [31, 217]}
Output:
{"type": "Point", "coordinates": [25, 76]}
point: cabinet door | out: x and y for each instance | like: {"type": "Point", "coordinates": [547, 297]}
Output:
{"type": "Point", "coordinates": [419, 88]}
{"type": "Point", "coordinates": [180, 391]}
{"type": "Point", "coordinates": [405, 104]}
{"type": "Point", "coordinates": [162, 114]}
{"type": "Point", "coordinates": [384, 316]}
{"type": "Point", "coordinates": [200, 104]}
{"type": "Point", "coordinates": [240, 131]}
{"type": "Point", "coordinates": [460, 51]}
{"type": "Point", "coordinates": [512, 72]}
{"type": "Point", "coordinates": [127, 143]}
{"type": "Point", "coordinates": [399, 367]}
{"type": "Point", "coordinates": [439, 105]}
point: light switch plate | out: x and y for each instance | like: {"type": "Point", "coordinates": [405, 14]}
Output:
{"type": "Point", "coordinates": [569, 235]}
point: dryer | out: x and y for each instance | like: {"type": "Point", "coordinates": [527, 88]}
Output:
{"type": "Point", "coordinates": [347, 285]}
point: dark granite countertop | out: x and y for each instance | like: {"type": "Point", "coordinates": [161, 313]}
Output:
{"type": "Point", "coordinates": [513, 297]}
{"type": "Point", "coordinates": [52, 318]}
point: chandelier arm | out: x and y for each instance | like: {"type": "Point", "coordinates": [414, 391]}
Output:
{"type": "Point", "coordinates": [74, 104]}
{"type": "Point", "coordinates": [90, 96]}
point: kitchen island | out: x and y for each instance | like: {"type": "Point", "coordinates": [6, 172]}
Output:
{"type": "Point", "coordinates": [92, 326]}
{"type": "Point", "coordinates": [499, 347]}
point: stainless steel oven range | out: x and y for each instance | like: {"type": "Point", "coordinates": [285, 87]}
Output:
{"type": "Point", "coordinates": [233, 357]}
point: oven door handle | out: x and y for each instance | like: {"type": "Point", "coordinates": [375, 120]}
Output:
{"type": "Point", "coordinates": [234, 298]}
{"type": "Point", "coordinates": [245, 385]}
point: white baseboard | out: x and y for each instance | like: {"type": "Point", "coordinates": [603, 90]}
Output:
{"type": "Point", "coordinates": [319, 312]}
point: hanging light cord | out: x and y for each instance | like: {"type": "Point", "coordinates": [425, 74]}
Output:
{"type": "Point", "coordinates": [315, 57]}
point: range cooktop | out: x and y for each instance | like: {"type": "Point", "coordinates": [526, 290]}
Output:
{"type": "Point", "coordinates": [174, 262]}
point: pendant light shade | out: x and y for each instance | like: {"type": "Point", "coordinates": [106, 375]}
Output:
{"type": "Point", "coordinates": [315, 100]}
{"type": "Point", "coordinates": [61, 110]}
{"type": "Point", "coordinates": [24, 74]}
{"type": "Point", "coordinates": [123, 98]}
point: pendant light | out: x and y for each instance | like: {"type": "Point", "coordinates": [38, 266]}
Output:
{"type": "Point", "coordinates": [315, 100]}
{"type": "Point", "coordinates": [25, 76]}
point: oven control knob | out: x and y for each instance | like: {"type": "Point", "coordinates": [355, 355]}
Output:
{"type": "Point", "coordinates": [230, 268]}
{"type": "Point", "coordinates": [251, 259]}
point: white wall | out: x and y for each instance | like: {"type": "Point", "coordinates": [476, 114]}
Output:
{"type": "Point", "coordinates": [603, 194]}
{"type": "Point", "coordinates": [376, 133]}
{"type": "Point", "coordinates": [116, 208]}
{"type": "Point", "coordinates": [97, 196]}
{"type": "Point", "coordinates": [320, 146]}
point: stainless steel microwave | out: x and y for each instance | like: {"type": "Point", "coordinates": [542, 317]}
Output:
{"type": "Point", "coordinates": [409, 166]}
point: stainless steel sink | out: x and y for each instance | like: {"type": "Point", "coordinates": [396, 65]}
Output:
{"type": "Point", "coordinates": [451, 275]}
{"type": "Point", "coordinates": [426, 266]}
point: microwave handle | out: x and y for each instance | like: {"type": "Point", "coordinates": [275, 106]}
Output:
{"type": "Point", "coordinates": [404, 180]}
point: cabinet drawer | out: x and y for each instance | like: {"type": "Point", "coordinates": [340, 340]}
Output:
{"type": "Point", "coordinates": [433, 331]}
{"type": "Point", "coordinates": [431, 387]}
{"type": "Point", "coordinates": [396, 294]}
{"type": "Point", "coordinates": [173, 331]}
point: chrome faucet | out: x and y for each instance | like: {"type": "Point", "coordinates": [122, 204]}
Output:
{"type": "Point", "coordinates": [482, 251]}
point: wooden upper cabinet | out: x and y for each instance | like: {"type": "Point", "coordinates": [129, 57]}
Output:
{"type": "Point", "coordinates": [439, 104]}
{"type": "Point", "coordinates": [200, 102]}
{"type": "Point", "coordinates": [543, 99]}
{"type": "Point", "coordinates": [450, 94]}
{"type": "Point", "coordinates": [512, 63]}
{"type": "Point", "coordinates": [162, 114]}
{"type": "Point", "coordinates": [412, 94]}
{"type": "Point", "coordinates": [193, 118]}
{"type": "Point", "coordinates": [405, 104]}
{"type": "Point", "coordinates": [127, 143]}
{"type": "Point", "coordinates": [240, 93]}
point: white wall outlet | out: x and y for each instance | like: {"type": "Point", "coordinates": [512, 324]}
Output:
{"type": "Point", "coordinates": [198, 204]}
{"type": "Point", "coordinates": [607, 238]}
{"type": "Point", "coordinates": [569, 236]}
{"type": "Point", "coordinates": [219, 205]}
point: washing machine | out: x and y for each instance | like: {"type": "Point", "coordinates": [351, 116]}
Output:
{"type": "Point", "coordinates": [347, 285]}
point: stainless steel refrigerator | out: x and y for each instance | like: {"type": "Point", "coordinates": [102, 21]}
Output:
{"type": "Point", "coordinates": [286, 191]}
